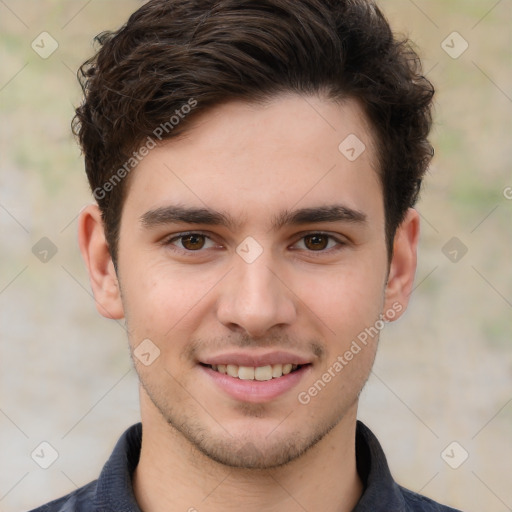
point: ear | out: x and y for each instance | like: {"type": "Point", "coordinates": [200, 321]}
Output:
{"type": "Point", "coordinates": [403, 265]}
{"type": "Point", "coordinates": [96, 254]}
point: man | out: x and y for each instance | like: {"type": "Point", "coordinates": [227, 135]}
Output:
{"type": "Point", "coordinates": [255, 165]}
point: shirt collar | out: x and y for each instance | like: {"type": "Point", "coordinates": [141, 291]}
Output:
{"type": "Point", "coordinates": [381, 493]}
{"type": "Point", "coordinates": [114, 491]}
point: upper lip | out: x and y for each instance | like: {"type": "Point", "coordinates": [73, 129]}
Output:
{"type": "Point", "coordinates": [255, 360]}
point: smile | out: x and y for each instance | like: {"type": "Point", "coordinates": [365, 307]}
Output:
{"type": "Point", "coordinates": [260, 373]}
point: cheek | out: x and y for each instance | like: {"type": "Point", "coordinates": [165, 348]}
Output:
{"type": "Point", "coordinates": [346, 300]}
{"type": "Point", "coordinates": [159, 301]}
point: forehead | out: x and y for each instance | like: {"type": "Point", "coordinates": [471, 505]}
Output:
{"type": "Point", "coordinates": [241, 157]}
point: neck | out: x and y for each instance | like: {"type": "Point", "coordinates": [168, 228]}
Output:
{"type": "Point", "coordinates": [172, 474]}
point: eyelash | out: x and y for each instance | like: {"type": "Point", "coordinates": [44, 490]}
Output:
{"type": "Point", "coordinates": [340, 243]}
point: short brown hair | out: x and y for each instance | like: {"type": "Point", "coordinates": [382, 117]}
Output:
{"type": "Point", "coordinates": [201, 53]}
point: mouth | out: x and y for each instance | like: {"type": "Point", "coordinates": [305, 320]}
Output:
{"type": "Point", "coordinates": [255, 376]}
{"type": "Point", "coordinates": [257, 373]}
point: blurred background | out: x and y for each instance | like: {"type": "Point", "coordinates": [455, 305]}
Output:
{"type": "Point", "coordinates": [440, 396]}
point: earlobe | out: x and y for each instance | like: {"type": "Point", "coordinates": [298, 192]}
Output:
{"type": "Point", "coordinates": [96, 254]}
{"type": "Point", "coordinates": [403, 265]}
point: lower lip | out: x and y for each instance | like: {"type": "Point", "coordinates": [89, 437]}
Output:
{"type": "Point", "coordinates": [254, 390]}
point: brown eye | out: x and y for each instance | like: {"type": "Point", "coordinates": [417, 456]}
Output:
{"type": "Point", "coordinates": [316, 242]}
{"type": "Point", "coordinates": [193, 242]}
{"type": "Point", "coordinates": [188, 243]}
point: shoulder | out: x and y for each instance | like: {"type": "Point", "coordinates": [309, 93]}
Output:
{"type": "Point", "coordinates": [80, 500]}
{"type": "Point", "coordinates": [417, 503]}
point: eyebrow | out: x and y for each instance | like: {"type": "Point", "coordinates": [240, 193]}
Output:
{"type": "Point", "coordinates": [331, 213]}
{"type": "Point", "coordinates": [206, 216]}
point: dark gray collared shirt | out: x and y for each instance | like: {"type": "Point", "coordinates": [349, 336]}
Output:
{"type": "Point", "coordinates": [113, 491]}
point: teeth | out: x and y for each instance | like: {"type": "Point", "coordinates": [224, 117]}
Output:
{"type": "Point", "coordinates": [259, 373]}
{"type": "Point", "coordinates": [277, 370]}
{"type": "Point", "coordinates": [263, 372]}
{"type": "Point", "coordinates": [232, 370]}
{"type": "Point", "coordinates": [246, 373]}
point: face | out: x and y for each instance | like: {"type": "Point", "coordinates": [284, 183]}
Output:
{"type": "Point", "coordinates": [255, 242]}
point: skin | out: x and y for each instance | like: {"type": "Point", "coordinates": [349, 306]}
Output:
{"type": "Point", "coordinates": [201, 448]}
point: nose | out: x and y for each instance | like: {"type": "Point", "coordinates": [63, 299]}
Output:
{"type": "Point", "coordinates": [255, 298]}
